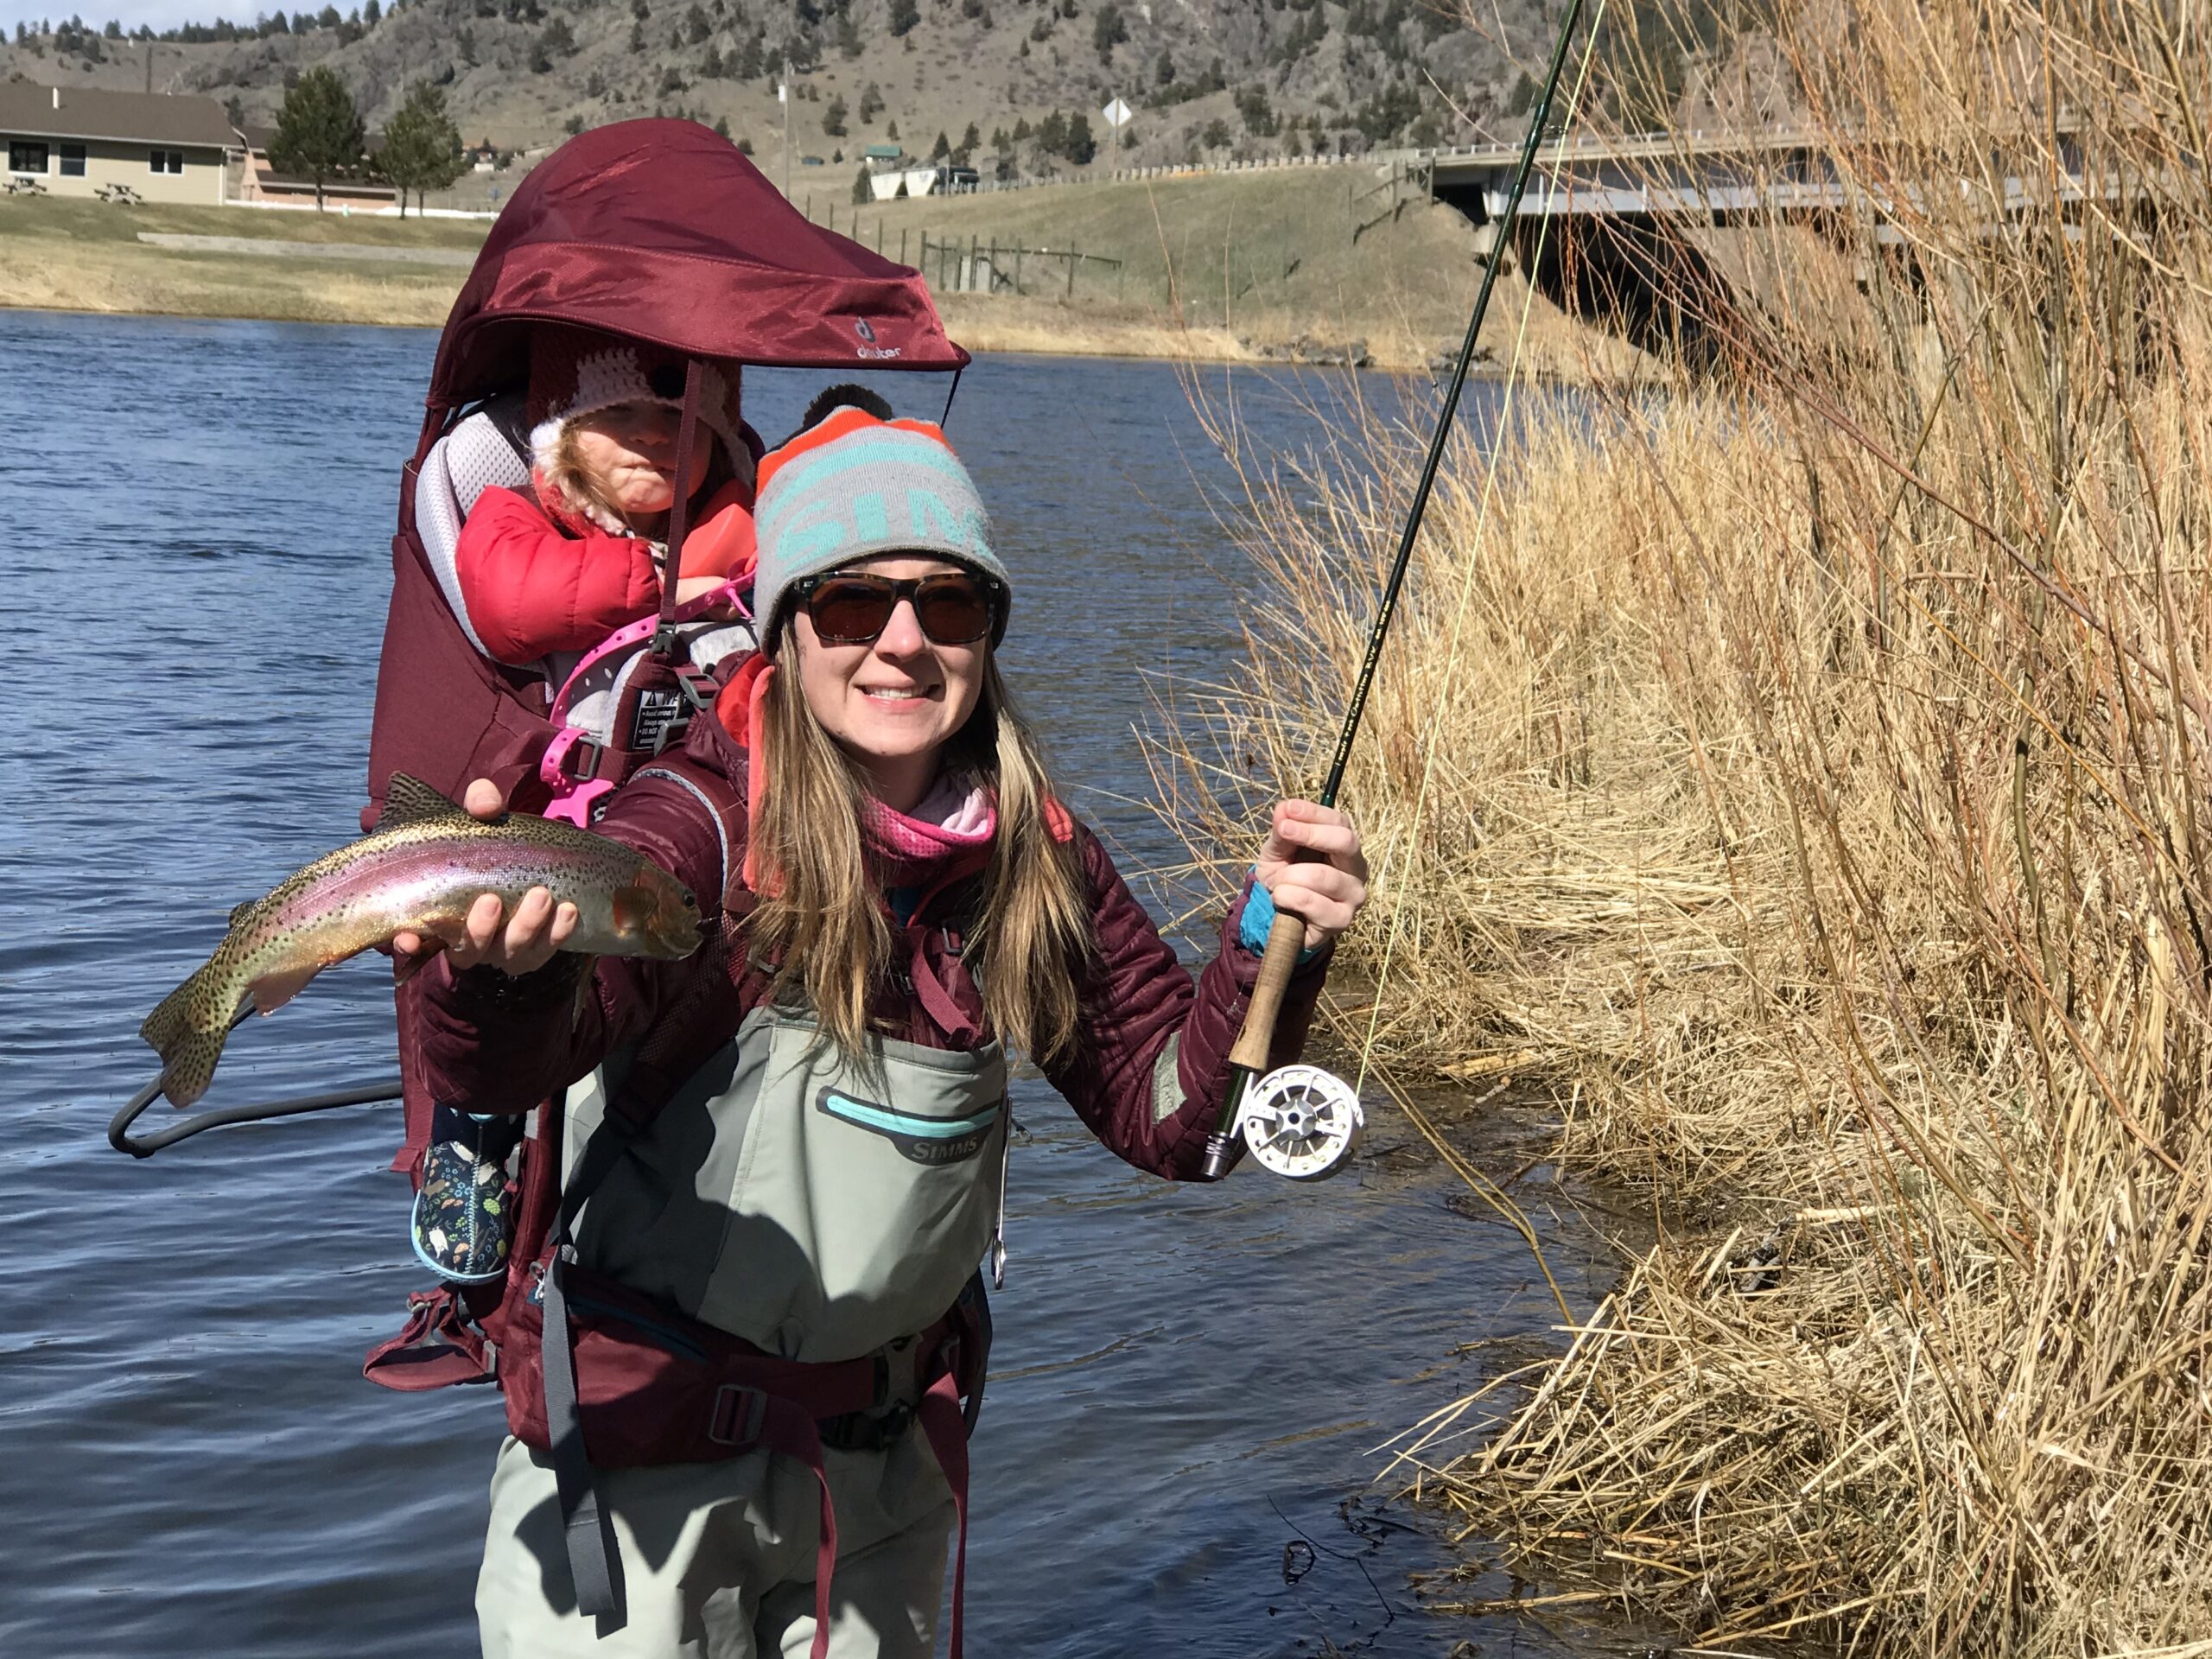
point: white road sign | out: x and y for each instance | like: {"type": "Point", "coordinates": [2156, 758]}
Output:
{"type": "Point", "coordinates": [1117, 114]}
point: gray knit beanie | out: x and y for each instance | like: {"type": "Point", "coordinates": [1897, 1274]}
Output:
{"type": "Point", "coordinates": [854, 485]}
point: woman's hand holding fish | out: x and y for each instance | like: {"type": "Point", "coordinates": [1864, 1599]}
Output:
{"type": "Point", "coordinates": [517, 945]}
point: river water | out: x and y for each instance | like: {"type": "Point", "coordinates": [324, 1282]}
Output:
{"type": "Point", "coordinates": [1187, 1381]}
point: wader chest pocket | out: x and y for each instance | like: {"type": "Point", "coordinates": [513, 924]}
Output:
{"type": "Point", "coordinates": [815, 1206]}
{"type": "Point", "coordinates": [919, 1140]}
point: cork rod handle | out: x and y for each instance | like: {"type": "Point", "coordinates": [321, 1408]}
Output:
{"type": "Point", "coordinates": [1285, 940]}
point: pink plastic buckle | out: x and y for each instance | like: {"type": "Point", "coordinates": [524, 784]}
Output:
{"type": "Point", "coordinates": [573, 796]}
{"type": "Point", "coordinates": [575, 806]}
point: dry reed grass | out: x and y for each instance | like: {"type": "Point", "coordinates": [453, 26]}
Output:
{"type": "Point", "coordinates": [1805, 774]}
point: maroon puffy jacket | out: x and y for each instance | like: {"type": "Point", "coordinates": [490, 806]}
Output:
{"type": "Point", "coordinates": [490, 1044]}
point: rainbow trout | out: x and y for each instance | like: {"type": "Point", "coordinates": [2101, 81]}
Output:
{"type": "Point", "coordinates": [420, 871]}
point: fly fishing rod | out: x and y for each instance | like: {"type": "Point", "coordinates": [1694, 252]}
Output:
{"type": "Point", "coordinates": [1300, 1121]}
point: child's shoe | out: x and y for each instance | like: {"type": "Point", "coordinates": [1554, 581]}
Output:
{"type": "Point", "coordinates": [464, 1218]}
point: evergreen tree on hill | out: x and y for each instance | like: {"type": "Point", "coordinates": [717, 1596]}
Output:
{"type": "Point", "coordinates": [319, 133]}
{"type": "Point", "coordinates": [422, 145]}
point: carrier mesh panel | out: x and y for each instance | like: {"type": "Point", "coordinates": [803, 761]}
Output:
{"type": "Point", "coordinates": [477, 456]}
{"type": "Point", "coordinates": [467, 461]}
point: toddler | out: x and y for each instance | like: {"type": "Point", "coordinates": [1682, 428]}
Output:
{"type": "Point", "coordinates": [555, 571]}
{"type": "Point", "coordinates": [580, 555]}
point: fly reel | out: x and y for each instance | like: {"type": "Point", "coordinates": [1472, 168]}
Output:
{"type": "Point", "coordinates": [1300, 1122]}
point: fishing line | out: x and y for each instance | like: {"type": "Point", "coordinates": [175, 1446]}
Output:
{"type": "Point", "coordinates": [1482, 522]}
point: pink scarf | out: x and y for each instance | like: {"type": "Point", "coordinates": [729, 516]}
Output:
{"type": "Point", "coordinates": [947, 836]}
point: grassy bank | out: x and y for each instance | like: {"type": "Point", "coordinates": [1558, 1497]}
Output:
{"type": "Point", "coordinates": [1805, 777]}
{"type": "Point", "coordinates": [70, 255]}
{"type": "Point", "coordinates": [1248, 266]}
{"type": "Point", "coordinates": [1234, 264]}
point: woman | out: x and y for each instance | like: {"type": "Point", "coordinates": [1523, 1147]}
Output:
{"type": "Point", "coordinates": [761, 1312]}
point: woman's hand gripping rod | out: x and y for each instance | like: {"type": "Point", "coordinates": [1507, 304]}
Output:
{"type": "Point", "coordinates": [1300, 1121]}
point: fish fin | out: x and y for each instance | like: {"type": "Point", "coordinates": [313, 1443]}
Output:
{"type": "Point", "coordinates": [409, 800]}
{"type": "Point", "coordinates": [188, 1031]}
{"type": "Point", "coordinates": [630, 908]}
{"type": "Point", "coordinates": [272, 991]}
{"type": "Point", "coordinates": [586, 982]}
{"type": "Point", "coordinates": [239, 913]}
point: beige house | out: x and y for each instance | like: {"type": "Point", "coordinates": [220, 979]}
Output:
{"type": "Point", "coordinates": [76, 141]}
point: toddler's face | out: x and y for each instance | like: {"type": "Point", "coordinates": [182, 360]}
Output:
{"type": "Point", "coordinates": [630, 452]}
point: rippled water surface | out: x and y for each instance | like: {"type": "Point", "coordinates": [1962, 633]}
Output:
{"type": "Point", "coordinates": [1187, 1379]}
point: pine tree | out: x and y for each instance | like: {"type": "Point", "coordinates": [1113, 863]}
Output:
{"type": "Point", "coordinates": [422, 145]}
{"type": "Point", "coordinates": [1081, 146]}
{"type": "Point", "coordinates": [1108, 31]}
{"type": "Point", "coordinates": [319, 132]}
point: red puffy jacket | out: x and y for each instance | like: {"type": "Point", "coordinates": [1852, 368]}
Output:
{"type": "Point", "coordinates": [490, 1044]}
{"type": "Point", "coordinates": [535, 584]}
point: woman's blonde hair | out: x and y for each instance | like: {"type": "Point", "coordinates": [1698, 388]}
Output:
{"type": "Point", "coordinates": [821, 920]}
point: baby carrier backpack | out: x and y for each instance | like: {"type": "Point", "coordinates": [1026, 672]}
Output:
{"type": "Point", "coordinates": [661, 232]}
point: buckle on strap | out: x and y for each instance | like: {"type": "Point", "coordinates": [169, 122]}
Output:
{"type": "Point", "coordinates": [740, 1414]}
{"type": "Point", "coordinates": [555, 768]}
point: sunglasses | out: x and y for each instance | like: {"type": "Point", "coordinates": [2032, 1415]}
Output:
{"type": "Point", "coordinates": [852, 608]}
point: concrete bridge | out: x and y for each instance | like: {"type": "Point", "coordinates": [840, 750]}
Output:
{"type": "Point", "coordinates": [1610, 227]}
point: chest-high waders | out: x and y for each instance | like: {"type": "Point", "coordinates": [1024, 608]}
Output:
{"type": "Point", "coordinates": [727, 1251]}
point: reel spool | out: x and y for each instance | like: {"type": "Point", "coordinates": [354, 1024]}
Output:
{"type": "Point", "coordinates": [1300, 1122]}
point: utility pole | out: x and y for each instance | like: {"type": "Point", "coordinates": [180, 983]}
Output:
{"type": "Point", "coordinates": [784, 97]}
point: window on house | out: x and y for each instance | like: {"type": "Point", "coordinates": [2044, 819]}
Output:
{"type": "Point", "coordinates": [24, 157]}
{"type": "Point", "coordinates": [72, 161]}
{"type": "Point", "coordinates": [165, 161]}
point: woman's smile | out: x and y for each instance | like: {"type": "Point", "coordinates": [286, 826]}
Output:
{"type": "Point", "coordinates": [893, 704]}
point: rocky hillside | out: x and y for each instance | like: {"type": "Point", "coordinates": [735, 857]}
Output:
{"type": "Point", "coordinates": [1015, 85]}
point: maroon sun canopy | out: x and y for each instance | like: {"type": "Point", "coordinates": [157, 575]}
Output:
{"type": "Point", "coordinates": [662, 231]}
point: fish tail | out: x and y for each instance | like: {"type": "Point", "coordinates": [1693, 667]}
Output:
{"type": "Point", "coordinates": [188, 1030]}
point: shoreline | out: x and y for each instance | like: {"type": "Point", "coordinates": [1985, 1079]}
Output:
{"type": "Point", "coordinates": [1118, 339]}
{"type": "Point", "coordinates": [1131, 342]}
{"type": "Point", "coordinates": [1298, 288]}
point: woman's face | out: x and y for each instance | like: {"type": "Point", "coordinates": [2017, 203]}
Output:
{"type": "Point", "coordinates": [892, 705]}
{"type": "Point", "coordinates": [629, 450]}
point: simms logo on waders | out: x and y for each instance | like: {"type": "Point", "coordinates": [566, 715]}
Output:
{"type": "Point", "coordinates": [919, 1140]}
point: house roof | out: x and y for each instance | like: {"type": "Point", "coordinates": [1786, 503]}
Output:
{"type": "Point", "coordinates": [125, 118]}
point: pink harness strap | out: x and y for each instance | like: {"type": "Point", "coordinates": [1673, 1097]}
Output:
{"type": "Point", "coordinates": [575, 799]}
